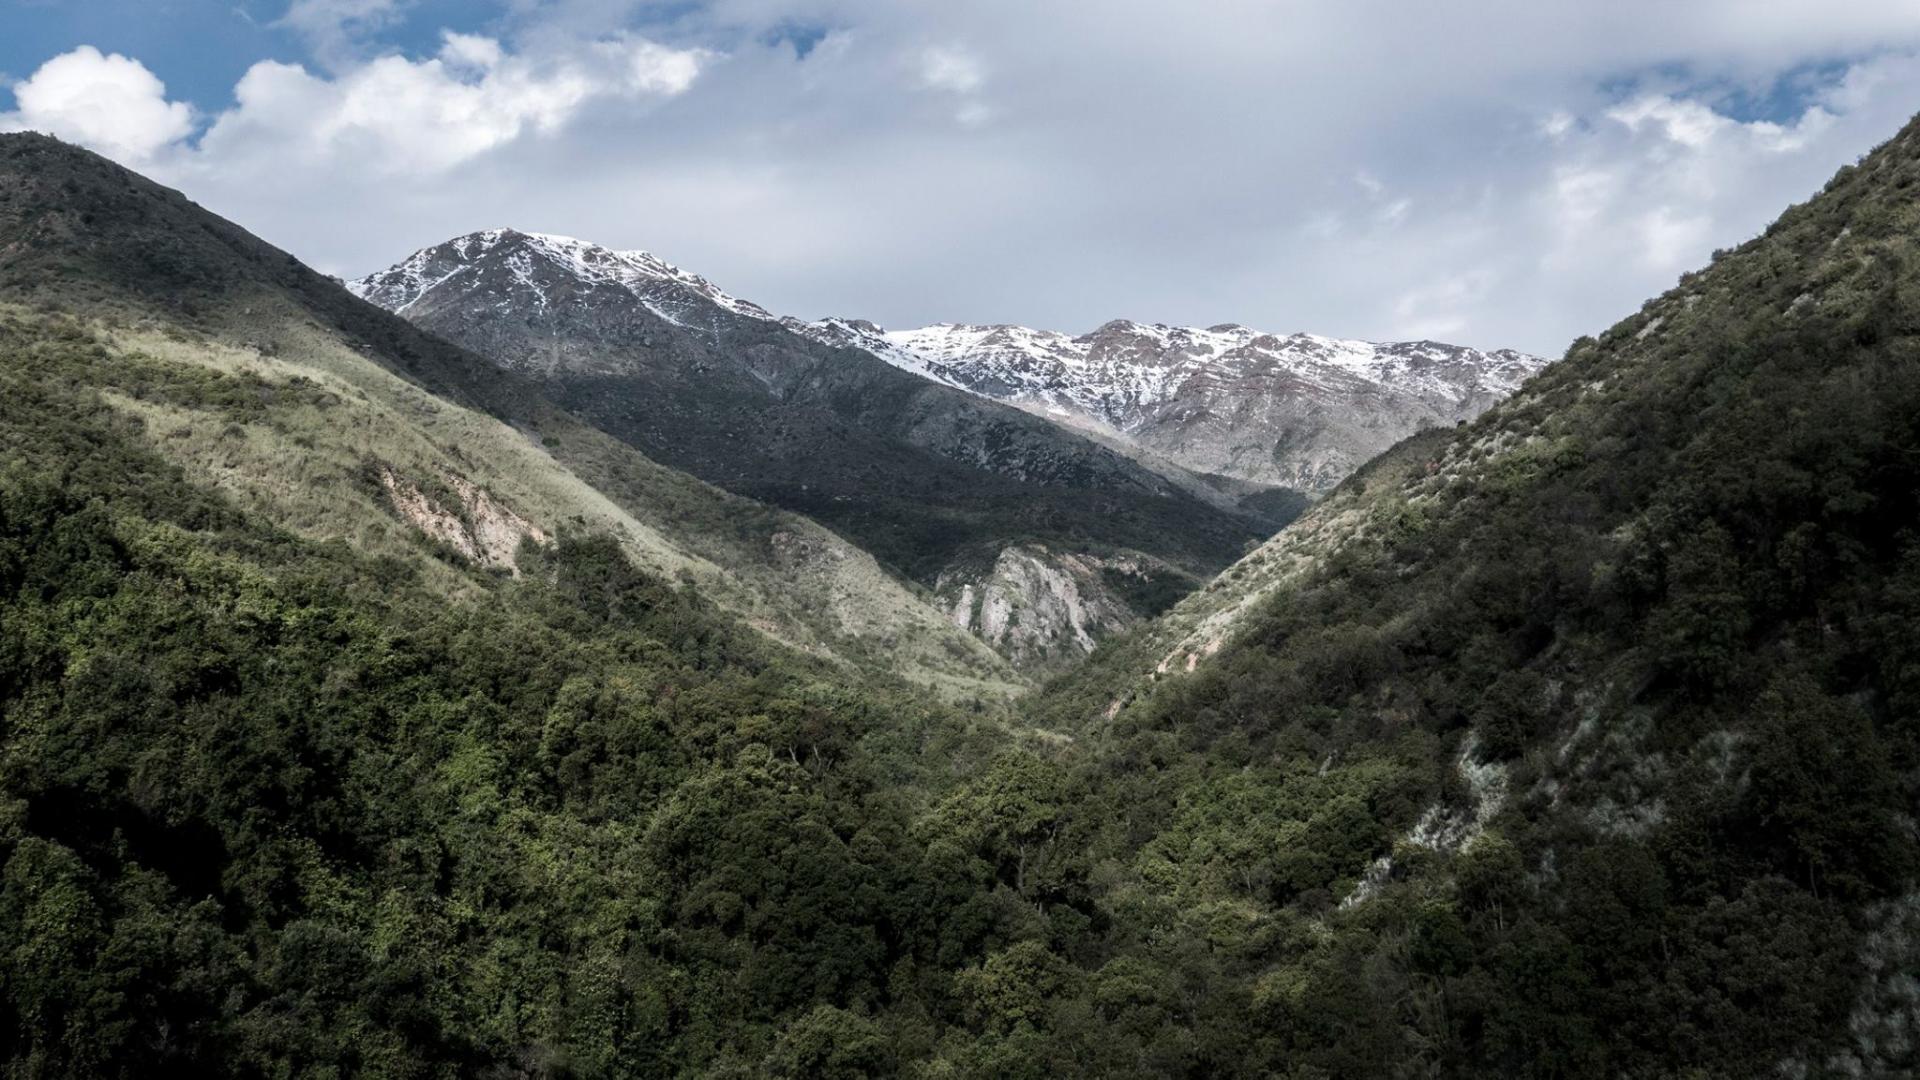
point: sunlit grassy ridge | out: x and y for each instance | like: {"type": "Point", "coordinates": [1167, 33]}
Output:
{"type": "Point", "coordinates": [161, 277]}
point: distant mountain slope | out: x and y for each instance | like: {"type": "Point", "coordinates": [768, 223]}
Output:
{"type": "Point", "coordinates": [341, 421]}
{"type": "Point", "coordinates": [1607, 701]}
{"type": "Point", "coordinates": [1298, 411]}
{"type": "Point", "coordinates": [939, 483]}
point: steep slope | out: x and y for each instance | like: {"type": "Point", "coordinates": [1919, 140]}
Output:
{"type": "Point", "coordinates": [272, 806]}
{"type": "Point", "coordinates": [341, 421]}
{"type": "Point", "coordinates": [1297, 411]}
{"type": "Point", "coordinates": [934, 481]}
{"type": "Point", "coordinates": [1578, 741]}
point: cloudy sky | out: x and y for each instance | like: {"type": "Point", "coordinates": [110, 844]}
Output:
{"type": "Point", "coordinates": [1494, 172]}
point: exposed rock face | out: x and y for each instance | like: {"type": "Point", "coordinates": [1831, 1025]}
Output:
{"type": "Point", "coordinates": [1442, 828]}
{"type": "Point", "coordinates": [479, 528]}
{"type": "Point", "coordinates": [1299, 411]}
{"type": "Point", "coordinates": [1039, 607]}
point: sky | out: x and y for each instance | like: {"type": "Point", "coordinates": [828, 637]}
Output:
{"type": "Point", "coordinates": [1498, 173]}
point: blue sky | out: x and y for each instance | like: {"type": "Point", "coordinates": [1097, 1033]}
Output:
{"type": "Point", "coordinates": [200, 48]}
{"type": "Point", "coordinates": [1497, 172]}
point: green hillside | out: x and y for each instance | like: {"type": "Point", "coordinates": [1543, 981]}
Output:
{"type": "Point", "coordinates": [270, 806]}
{"type": "Point", "coordinates": [1580, 741]}
{"type": "Point", "coordinates": [1619, 681]}
{"type": "Point", "coordinates": [297, 399]}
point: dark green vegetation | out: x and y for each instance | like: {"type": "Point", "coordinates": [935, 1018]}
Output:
{"type": "Point", "coordinates": [266, 805]}
{"type": "Point", "coordinates": [1669, 592]}
{"type": "Point", "coordinates": [1582, 741]}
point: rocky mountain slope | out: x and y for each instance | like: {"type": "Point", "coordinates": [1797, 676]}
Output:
{"type": "Point", "coordinates": [1605, 700]}
{"type": "Point", "coordinates": [342, 422]}
{"type": "Point", "coordinates": [936, 482]}
{"type": "Point", "coordinates": [1298, 411]}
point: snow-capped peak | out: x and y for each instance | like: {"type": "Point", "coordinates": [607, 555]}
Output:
{"type": "Point", "coordinates": [1134, 360]}
{"type": "Point", "coordinates": [1208, 397]}
{"type": "Point", "coordinates": [532, 258]}
{"type": "Point", "coordinates": [1301, 410]}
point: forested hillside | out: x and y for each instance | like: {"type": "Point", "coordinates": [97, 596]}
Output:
{"type": "Point", "coordinates": [269, 807]}
{"type": "Point", "coordinates": [1578, 741]}
{"type": "Point", "coordinates": [325, 415]}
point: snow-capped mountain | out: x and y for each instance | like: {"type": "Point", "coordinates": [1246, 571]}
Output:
{"type": "Point", "coordinates": [973, 498]}
{"type": "Point", "coordinates": [532, 259]}
{"type": "Point", "coordinates": [1297, 410]}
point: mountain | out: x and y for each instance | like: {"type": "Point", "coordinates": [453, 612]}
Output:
{"type": "Point", "coordinates": [951, 489]}
{"type": "Point", "coordinates": [1575, 741]}
{"type": "Point", "coordinates": [1296, 411]}
{"type": "Point", "coordinates": [362, 714]}
{"type": "Point", "coordinates": [341, 422]}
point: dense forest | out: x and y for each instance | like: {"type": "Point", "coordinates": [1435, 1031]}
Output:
{"type": "Point", "coordinates": [1585, 743]}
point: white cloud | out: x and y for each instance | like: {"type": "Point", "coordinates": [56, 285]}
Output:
{"type": "Point", "coordinates": [471, 52]}
{"type": "Point", "coordinates": [1062, 164]}
{"type": "Point", "coordinates": [1439, 310]}
{"type": "Point", "coordinates": [1671, 239]}
{"type": "Point", "coordinates": [1581, 194]}
{"type": "Point", "coordinates": [333, 28]}
{"type": "Point", "coordinates": [110, 103]}
{"type": "Point", "coordinates": [652, 68]}
{"type": "Point", "coordinates": [1656, 182]}
{"type": "Point", "coordinates": [951, 69]}
{"type": "Point", "coordinates": [393, 115]}
{"type": "Point", "coordinates": [1688, 123]}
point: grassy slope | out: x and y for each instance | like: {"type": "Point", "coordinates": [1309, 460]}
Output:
{"type": "Point", "coordinates": [183, 288]}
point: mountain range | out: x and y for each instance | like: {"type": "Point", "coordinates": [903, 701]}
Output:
{"type": "Point", "coordinates": [1298, 411]}
{"type": "Point", "coordinates": [1042, 538]}
{"type": "Point", "coordinates": [949, 489]}
{"type": "Point", "coordinates": [376, 703]}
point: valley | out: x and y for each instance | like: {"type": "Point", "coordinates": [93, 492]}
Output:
{"type": "Point", "coordinates": [931, 474]}
{"type": "Point", "coordinates": [532, 660]}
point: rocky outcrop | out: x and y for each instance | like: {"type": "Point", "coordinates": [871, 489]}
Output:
{"type": "Point", "coordinates": [463, 516]}
{"type": "Point", "coordinates": [1040, 607]}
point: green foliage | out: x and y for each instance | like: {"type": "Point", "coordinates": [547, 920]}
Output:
{"type": "Point", "coordinates": [1621, 676]}
{"type": "Point", "coordinates": [271, 808]}
{"type": "Point", "coordinates": [1584, 745]}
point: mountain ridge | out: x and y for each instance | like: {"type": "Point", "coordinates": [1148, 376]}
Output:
{"type": "Point", "coordinates": [938, 483]}
{"type": "Point", "coordinates": [109, 245]}
{"type": "Point", "coordinates": [1300, 410]}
